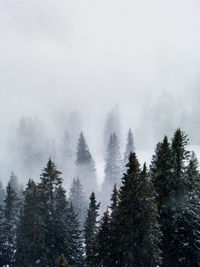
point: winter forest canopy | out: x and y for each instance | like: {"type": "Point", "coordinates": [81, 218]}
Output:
{"type": "Point", "coordinates": [99, 139]}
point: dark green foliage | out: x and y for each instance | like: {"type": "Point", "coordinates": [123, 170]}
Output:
{"type": "Point", "coordinates": [90, 228]}
{"type": "Point", "coordinates": [139, 231]}
{"type": "Point", "coordinates": [48, 226]}
{"type": "Point", "coordinates": [101, 244]}
{"type": "Point", "coordinates": [30, 247]}
{"type": "Point", "coordinates": [58, 220]}
{"type": "Point", "coordinates": [8, 224]}
{"type": "Point", "coordinates": [62, 262]}
{"type": "Point", "coordinates": [177, 190]}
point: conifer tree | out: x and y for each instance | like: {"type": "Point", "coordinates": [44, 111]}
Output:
{"type": "Point", "coordinates": [129, 147]}
{"type": "Point", "coordinates": [57, 219]}
{"type": "Point", "coordinates": [139, 231]}
{"type": "Point", "coordinates": [178, 203]}
{"type": "Point", "coordinates": [113, 168]}
{"type": "Point", "coordinates": [85, 166]}
{"type": "Point", "coordinates": [8, 226]}
{"type": "Point", "coordinates": [78, 200]}
{"type": "Point", "coordinates": [68, 238]}
{"type": "Point", "coordinates": [101, 243]}
{"type": "Point", "coordinates": [90, 228]}
{"type": "Point", "coordinates": [30, 237]}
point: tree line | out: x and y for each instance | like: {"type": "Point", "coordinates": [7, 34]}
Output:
{"type": "Point", "coordinates": [152, 217]}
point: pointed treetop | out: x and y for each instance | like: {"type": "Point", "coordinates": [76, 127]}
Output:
{"type": "Point", "coordinates": [83, 154]}
{"type": "Point", "coordinates": [133, 164]}
{"type": "Point", "coordinates": [129, 146]}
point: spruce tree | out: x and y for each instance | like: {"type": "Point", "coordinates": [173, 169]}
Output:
{"type": "Point", "coordinates": [139, 231]}
{"type": "Point", "coordinates": [178, 204]}
{"type": "Point", "coordinates": [113, 169]}
{"type": "Point", "coordinates": [29, 245]}
{"type": "Point", "coordinates": [129, 147]}
{"type": "Point", "coordinates": [68, 238]}
{"type": "Point", "coordinates": [78, 200]}
{"type": "Point", "coordinates": [9, 221]}
{"type": "Point", "coordinates": [85, 166]}
{"type": "Point", "coordinates": [59, 224]}
{"type": "Point", "coordinates": [101, 243]}
{"type": "Point", "coordinates": [90, 228]}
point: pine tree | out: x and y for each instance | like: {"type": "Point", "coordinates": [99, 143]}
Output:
{"type": "Point", "coordinates": [78, 200]}
{"type": "Point", "coordinates": [178, 202]}
{"type": "Point", "coordinates": [101, 243]}
{"type": "Point", "coordinates": [129, 147]}
{"type": "Point", "coordinates": [68, 238]}
{"type": "Point", "coordinates": [90, 228]}
{"type": "Point", "coordinates": [59, 224]}
{"type": "Point", "coordinates": [113, 168]}
{"type": "Point", "coordinates": [29, 243]}
{"type": "Point", "coordinates": [85, 166]}
{"type": "Point", "coordinates": [139, 231]}
{"type": "Point", "coordinates": [62, 262]}
{"type": "Point", "coordinates": [9, 220]}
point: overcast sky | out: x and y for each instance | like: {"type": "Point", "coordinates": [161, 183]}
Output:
{"type": "Point", "coordinates": [90, 55]}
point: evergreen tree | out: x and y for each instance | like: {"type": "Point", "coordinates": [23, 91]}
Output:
{"type": "Point", "coordinates": [178, 203]}
{"type": "Point", "coordinates": [8, 223]}
{"type": "Point", "coordinates": [78, 200]}
{"type": "Point", "coordinates": [90, 228]}
{"type": "Point", "coordinates": [85, 166]}
{"type": "Point", "coordinates": [139, 231]}
{"type": "Point", "coordinates": [30, 237]}
{"type": "Point", "coordinates": [68, 238]}
{"type": "Point", "coordinates": [101, 244]}
{"type": "Point", "coordinates": [62, 262]}
{"type": "Point", "coordinates": [113, 168]}
{"type": "Point", "coordinates": [129, 147]}
{"type": "Point", "coordinates": [59, 224]}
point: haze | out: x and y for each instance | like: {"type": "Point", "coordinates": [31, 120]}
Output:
{"type": "Point", "coordinates": [61, 56]}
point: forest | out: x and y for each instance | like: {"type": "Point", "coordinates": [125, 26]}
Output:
{"type": "Point", "coordinates": [144, 216]}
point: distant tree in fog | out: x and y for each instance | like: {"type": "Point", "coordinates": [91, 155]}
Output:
{"type": "Point", "coordinates": [78, 200]}
{"type": "Point", "coordinates": [85, 166]}
{"type": "Point", "coordinates": [113, 167]}
{"type": "Point", "coordinates": [112, 125]}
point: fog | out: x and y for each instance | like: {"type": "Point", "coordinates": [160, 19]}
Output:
{"type": "Point", "coordinates": [61, 56]}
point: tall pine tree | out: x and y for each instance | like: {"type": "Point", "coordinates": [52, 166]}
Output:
{"type": "Point", "coordinates": [85, 166]}
{"type": "Point", "coordinates": [90, 228]}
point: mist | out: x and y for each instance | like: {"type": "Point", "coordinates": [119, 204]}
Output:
{"type": "Point", "coordinates": [88, 56]}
